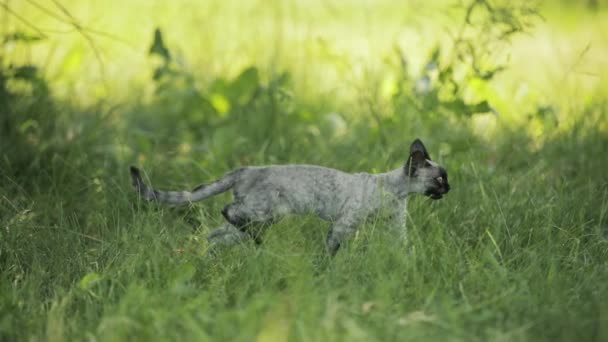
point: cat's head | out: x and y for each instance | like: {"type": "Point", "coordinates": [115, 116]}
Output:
{"type": "Point", "coordinates": [427, 177]}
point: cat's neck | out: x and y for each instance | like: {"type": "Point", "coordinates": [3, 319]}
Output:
{"type": "Point", "coordinates": [398, 183]}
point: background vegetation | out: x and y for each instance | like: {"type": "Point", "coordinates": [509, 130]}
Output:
{"type": "Point", "coordinates": [510, 96]}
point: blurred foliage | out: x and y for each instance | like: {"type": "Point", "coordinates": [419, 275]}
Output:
{"type": "Point", "coordinates": [448, 81]}
{"type": "Point", "coordinates": [28, 113]}
{"type": "Point", "coordinates": [236, 111]}
{"type": "Point", "coordinates": [229, 116]}
{"type": "Point", "coordinates": [523, 228]}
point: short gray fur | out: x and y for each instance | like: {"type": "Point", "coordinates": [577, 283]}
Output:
{"type": "Point", "coordinates": [263, 194]}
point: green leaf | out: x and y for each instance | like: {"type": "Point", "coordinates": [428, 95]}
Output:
{"type": "Point", "coordinates": [435, 55]}
{"type": "Point", "coordinates": [489, 74]}
{"type": "Point", "coordinates": [21, 37]}
{"type": "Point", "coordinates": [481, 107]}
{"type": "Point", "coordinates": [162, 71]}
{"type": "Point", "coordinates": [30, 123]}
{"type": "Point", "coordinates": [73, 59]}
{"type": "Point", "coordinates": [158, 46]}
{"type": "Point", "coordinates": [26, 72]}
{"type": "Point", "coordinates": [220, 103]}
{"type": "Point", "coordinates": [89, 280]}
{"type": "Point", "coordinates": [458, 106]}
{"type": "Point", "coordinates": [243, 87]}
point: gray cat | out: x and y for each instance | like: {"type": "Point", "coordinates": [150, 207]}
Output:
{"type": "Point", "coordinates": [263, 194]}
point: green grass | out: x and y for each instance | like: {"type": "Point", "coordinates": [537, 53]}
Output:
{"type": "Point", "coordinates": [518, 250]}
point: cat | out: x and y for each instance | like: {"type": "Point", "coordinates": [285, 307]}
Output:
{"type": "Point", "coordinates": [263, 194]}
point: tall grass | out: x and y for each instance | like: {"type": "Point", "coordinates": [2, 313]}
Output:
{"type": "Point", "coordinates": [516, 251]}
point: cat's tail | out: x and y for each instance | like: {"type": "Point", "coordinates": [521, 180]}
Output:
{"type": "Point", "coordinates": [181, 197]}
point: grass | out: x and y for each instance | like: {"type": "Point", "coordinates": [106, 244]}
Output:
{"type": "Point", "coordinates": [516, 251]}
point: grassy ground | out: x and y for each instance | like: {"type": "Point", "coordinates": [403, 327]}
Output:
{"type": "Point", "coordinates": [517, 250]}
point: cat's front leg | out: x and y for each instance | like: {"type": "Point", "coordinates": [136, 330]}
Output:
{"type": "Point", "coordinates": [340, 231]}
{"type": "Point", "coordinates": [398, 219]}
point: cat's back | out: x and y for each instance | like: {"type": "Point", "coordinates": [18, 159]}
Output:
{"type": "Point", "coordinates": [292, 174]}
{"type": "Point", "coordinates": [297, 170]}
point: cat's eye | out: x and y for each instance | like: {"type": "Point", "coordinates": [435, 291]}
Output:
{"type": "Point", "coordinates": [439, 179]}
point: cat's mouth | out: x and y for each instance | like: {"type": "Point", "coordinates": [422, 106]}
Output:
{"type": "Point", "coordinates": [435, 196]}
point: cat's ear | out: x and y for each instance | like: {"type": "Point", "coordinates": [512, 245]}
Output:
{"type": "Point", "coordinates": [417, 158]}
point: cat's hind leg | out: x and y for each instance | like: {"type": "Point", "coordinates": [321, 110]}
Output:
{"type": "Point", "coordinates": [227, 235]}
{"type": "Point", "coordinates": [250, 219]}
